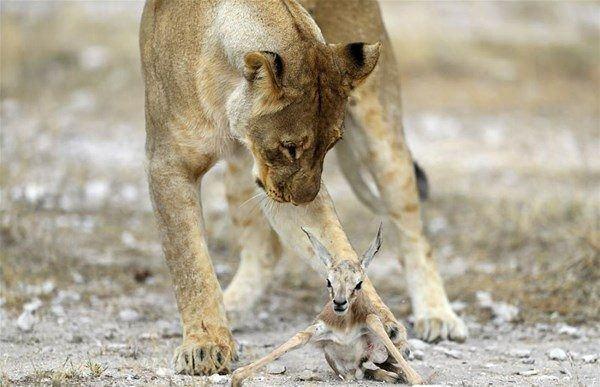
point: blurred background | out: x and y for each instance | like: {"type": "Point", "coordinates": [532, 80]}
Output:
{"type": "Point", "coordinates": [501, 108]}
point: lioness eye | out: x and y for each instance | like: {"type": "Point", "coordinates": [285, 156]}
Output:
{"type": "Point", "coordinates": [292, 150]}
{"type": "Point", "coordinates": [328, 283]}
{"type": "Point", "coordinates": [289, 150]}
{"type": "Point", "coordinates": [358, 286]}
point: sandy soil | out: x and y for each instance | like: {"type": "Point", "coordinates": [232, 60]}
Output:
{"type": "Point", "coordinates": [501, 104]}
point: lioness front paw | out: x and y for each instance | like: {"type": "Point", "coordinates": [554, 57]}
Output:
{"type": "Point", "coordinates": [443, 325]}
{"type": "Point", "coordinates": [397, 333]}
{"type": "Point", "coordinates": [205, 355]}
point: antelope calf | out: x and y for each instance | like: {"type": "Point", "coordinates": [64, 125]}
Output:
{"type": "Point", "coordinates": [348, 330]}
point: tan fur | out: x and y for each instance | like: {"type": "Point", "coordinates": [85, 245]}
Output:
{"type": "Point", "coordinates": [212, 82]}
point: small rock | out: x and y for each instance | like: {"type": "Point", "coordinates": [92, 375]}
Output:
{"type": "Point", "coordinates": [418, 344]}
{"type": "Point", "coordinates": [47, 287]}
{"type": "Point", "coordinates": [504, 312]}
{"type": "Point", "coordinates": [309, 376]}
{"type": "Point", "coordinates": [528, 360]}
{"type": "Point", "coordinates": [453, 353]}
{"type": "Point", "coordinates": [33, 305]}
{"type": "Point", "coordinates": [590, 358]}
{"type": "Point", "coordinates": [418, 354]}
{"type": "Point", "coordinates": [26, 321]}
{"type": "Point", "coordinates": [458, 306]}
{"type": "Point", "coordinates": [218, 379]}
{"type": "Point", "coordinates": [75, 339]}
{"type": "Point", "coordinates": [570, 331]}
{"type": "Point", "coordinates": [275, 369]}
{"type": "Point", "coordinates": [528, 373]}
{"type": "Point", "coordinates": [164, 372]}
{"type": "Point", "coordinates": [557, 354]}
{"type": "Point", "coordinates": [520, 353]}
{"type": "Point", "coordinates": [57, 310]}
{"type": "Point", "coordinates": [129, 315]}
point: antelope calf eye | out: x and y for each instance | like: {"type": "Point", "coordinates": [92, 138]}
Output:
{"type": "Point", "coordinates": [358, 286]}
{"type": "Point", "coordinates": [328, 283]}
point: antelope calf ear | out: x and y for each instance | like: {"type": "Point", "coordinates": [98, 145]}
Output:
{"type": "Point", "coordinates": [374, 247]}
{"type": "Point", "coordinates": [264, 69]}
{"type": "Point", "coordinates": [320, 250]}
{"type": "Point", "coordinates": [358, 60]}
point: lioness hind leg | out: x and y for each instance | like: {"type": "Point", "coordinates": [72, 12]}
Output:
{"type": "Point", "coordinates": [258, 243]}
{"type": "Point", "coordinates": [208, 346]}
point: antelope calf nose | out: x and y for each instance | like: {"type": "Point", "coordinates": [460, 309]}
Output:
{"type": "Point", "coordinates": [340, 303]}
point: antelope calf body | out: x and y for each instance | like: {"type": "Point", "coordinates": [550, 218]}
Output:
{"type": "Point", "coordinates": [348, 330]}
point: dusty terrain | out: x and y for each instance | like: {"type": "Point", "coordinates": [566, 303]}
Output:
{"type": "Point", "coordinates": [501, 104]}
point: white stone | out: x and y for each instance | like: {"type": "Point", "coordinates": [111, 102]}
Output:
{"type": "Point", "coordinates": [164, 372]}
{"type": "Point", "coordinates": [528, 372]}
{"type": "Point", "coordinates": [557, 354]}
{"type": "Point", "coordinates": [309, 375]}
{"type": "Point", "coordinates": [418, 354]}
{"type": "Point", "coordinates": [48, 287]}
{"type": "Point", "coordinates": [590, 358]}
{"type": "Point", "coordinates": [33, 305]}
{"type": "Point", "coordinates": [218, 379]}
{"type": "Point", "coordinates": [129, 315]}
{"type": "Point", "coordinates": [520, 352]}
{"type": "Point", "coordinates": [418, 344]}
{"type": "Point", "coordinates": [276, 369]}
{"type": "Point", "coordinates": [570, 331]}
{"type": "Point", "coordinates": [458, 306]}
{"type": "Point", "coordinates": [26, 321]}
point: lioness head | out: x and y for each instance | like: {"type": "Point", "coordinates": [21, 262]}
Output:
{"type": "Point", "coordinates": [296, 111]}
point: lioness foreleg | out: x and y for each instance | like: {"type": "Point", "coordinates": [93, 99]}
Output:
{"type": "Point", "coordinates": [207, 346]}
{"type": "Point", "coordinates": [383, 151]}
{"type": "Point", "coordinates": [252, 233]}
{"type": "Point", "coordinates": [320, 218]}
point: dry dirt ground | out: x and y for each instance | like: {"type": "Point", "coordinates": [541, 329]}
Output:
{"type": "Point", "coordinates": [501, 105]}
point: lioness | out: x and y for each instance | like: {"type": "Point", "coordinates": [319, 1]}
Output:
{"type": "Point", "coordinates": [256, 83]}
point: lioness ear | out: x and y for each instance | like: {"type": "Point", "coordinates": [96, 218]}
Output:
{"type": "Point", "coordinates": [374, 247]}
{"type": "Point", "coordinates": [358, 59]}
{"type": "Point", "coordinates": [264, 69]}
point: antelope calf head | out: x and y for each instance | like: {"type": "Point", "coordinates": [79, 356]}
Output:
{"type": "Point", "coordinates": [344, 276]}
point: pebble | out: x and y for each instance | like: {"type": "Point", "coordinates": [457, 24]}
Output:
{"type": "Point", "coordinates": [276, 369]}
{"type": "Point", "coordinates": [218, 379]}
{"type": "Point", "coordinates": [590, 358]}
{"type": "Point", "coordinates": [528, 360]}
{"type": "Point", "coordinates": [33, 305]}
{"type": "Point", "coordinates": [520, 353]}
{"type": "Point", "coordinates": [309, 376]}
{"type": "Point", "coordinates": [57, 310]}
{"type": "Point", "coordinates": [528, 372]}
{"type": "Point", "coordinates": [458, 306]}
{"type": "Point", "coordinates": [48, 287]}
{"type": "Point", "coordinates": [75, 339]}
{"type": "Point", "coordinates": [453, 353]}
{"type": "Point", "coordinates": [570, 331]}
{"type": "Point", "coordinates": [418, 344]}
{"type": "Point", "coordinates": [502, 311]}
{"type": "Point", "coordinates": [26, 321]}
{"type": "Point", "coordinates": [418, 354]}
{"type": "Point", "coordinates": [129, 315]}
{"type": "Point", "coordinates": [557, 354]}
{"type": "Point", "coordinates": [164, 372]}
